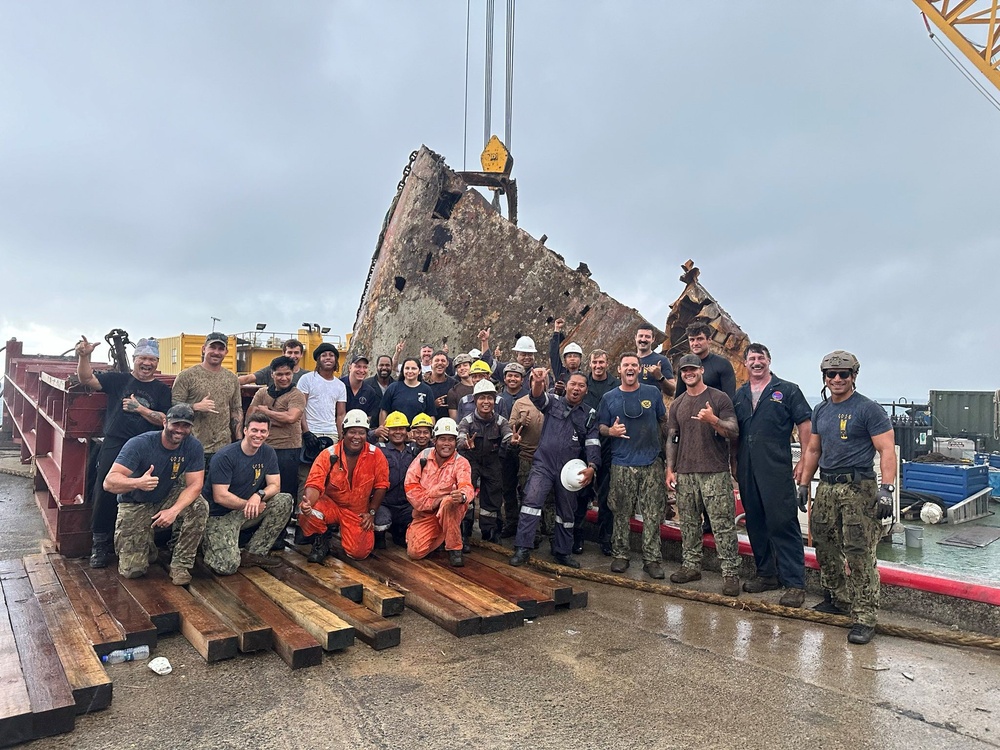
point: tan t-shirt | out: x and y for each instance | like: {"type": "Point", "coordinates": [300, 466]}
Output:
{"type": "Point", "coordinates": [700, 450]}
{"type": "Point", "coordinates": [282, 435]}
{"type": "Point", "coordinates": [525, 414]}
{"type": "Point", "coordinates": [194, 384]}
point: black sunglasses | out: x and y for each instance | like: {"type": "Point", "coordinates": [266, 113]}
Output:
{"type": "Point", "coordinates": [834, 374]}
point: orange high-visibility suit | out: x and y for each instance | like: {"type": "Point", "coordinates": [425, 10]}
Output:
{"type": "Point", "coordinates": [435, 519]}
{"type": "Point", "coordinates": [345, 501]}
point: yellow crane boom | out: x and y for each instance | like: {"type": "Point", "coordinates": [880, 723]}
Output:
{"type": "Point", "coordinates": [973, 27]}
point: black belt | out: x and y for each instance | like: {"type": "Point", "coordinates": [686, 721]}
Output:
{"type": "Point", "coordinates": [846, 477]}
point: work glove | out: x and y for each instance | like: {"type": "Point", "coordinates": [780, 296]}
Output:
{"type": "Point", "coordinates": [311, 443]}
{"type": "Point", "coordinates": [883, 503]}
{"type": "Point", "coordinates": [802, 494]}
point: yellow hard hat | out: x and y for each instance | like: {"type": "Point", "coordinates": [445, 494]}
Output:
{"type": "Point", "coordinates": [480, 366]}
{"type": "Point", "coordinates": [421, 420]}
{"type": "Point", "coordinates": [397, 419]}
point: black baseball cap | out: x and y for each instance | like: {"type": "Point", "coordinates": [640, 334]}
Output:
{"type": "Point", "coordinates": [216, 336]}
{"type": "Point", "coordinates": [181, 413]}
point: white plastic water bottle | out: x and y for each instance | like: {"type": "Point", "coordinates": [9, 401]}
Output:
{"type": "Point", "coordinates": [136, 653]}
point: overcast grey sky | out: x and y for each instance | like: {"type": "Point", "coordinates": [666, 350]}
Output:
{"type": "Point", "coordinates": [827, 169]}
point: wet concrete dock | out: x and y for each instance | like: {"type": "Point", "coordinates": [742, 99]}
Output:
{"type": "Point", "coordinates": [631, 670]}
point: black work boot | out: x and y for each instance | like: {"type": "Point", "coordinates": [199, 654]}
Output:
{"type": "Point", "coordinates": [455, 558]}
{"type": "Point", "coordinates": [577, 541]}
{"type": "Point", "coordinates": [379, 540]}
{"type": "Point", "coordinates": [466, 535]}
{"type": "Point", "coordinates": [829, 606]}
{"type": "Point", "coordinates": [520, 557]}
{"type": "Point", "coordinates": [101, 550]}
{"type": "Point", "coordinates": [321, 547]}
{"type": "Point", "coordinates": [566, 560]}
{"type": "Point", "coordinates": [509, 530]}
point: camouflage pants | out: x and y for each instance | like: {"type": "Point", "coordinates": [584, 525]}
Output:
{"type": "Point", "coordinates": [712, 494]}
{"type": "Point", "coordinates": [221, 543]}
{"type": "Point", "coordinates": [548, 524]}
{"type": "Point", "coordinates": [642, 489]}
{"type": "Point", "coordinates": [134, 533]}
{"type": "Point", "coordinates": [845, 529]}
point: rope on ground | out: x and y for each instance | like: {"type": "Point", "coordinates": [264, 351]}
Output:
{"type": "Point", "coordinates": [948, 637]}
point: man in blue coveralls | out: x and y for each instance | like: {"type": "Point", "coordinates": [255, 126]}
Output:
{"type": "Point", "coordinates": [570, 430]}
{"type": "Point", "coordinates": [768, 409]}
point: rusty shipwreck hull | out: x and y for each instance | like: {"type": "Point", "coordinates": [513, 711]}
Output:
{"type": "Point", "coordinates": [448, 264]}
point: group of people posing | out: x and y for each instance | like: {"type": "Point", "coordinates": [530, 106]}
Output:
{"type": "Point", "coordinates": [409, 452]}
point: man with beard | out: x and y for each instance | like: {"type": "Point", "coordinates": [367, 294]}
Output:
{"type": "Point", "coordinates": [514, 389]}
{"type": "Point", "coordinates": [243, 492]}
{"type": "Point", "coordinates": [439, 487]}
{"type": "Point", "coordinates": [382, 378]}
{"type": "Point", "coordinates": [214, 394]}
{"type": "Point", "coordinates": [768, 410]}
{"type": "Point", "coordinates": [654, 369]}
{"type": "Point", "coordinates": [345, 486]}
{"type": "Point", "coordinates": [484, 438]}
{"type": "Point", "coordinates": [282, 403]}
{"type": "Point", "coordinates": [699, 428]}
{"type": "Point", "coordinates": [440, 382]}
{"type": "Point", "coordinates": [847, 514]}
{"type": "Point", "coordinates": [599, 382]}
{"type": "Point", "coordinates": [326, 396]}
{"type": "Point", "coordinates": [158, 477]}
{"type": "Point", "coordinates": [634, 417]}
{"type": "Point", "coordinates": [293, 349]}
{"type": "Point", "coordinates": [570, 431]}
{"type": "Point", "coordinates": [719, 372]}
{"type": "Point", "coordinates": [136, 403]}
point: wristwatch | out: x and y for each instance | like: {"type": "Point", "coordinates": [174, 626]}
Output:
{"type": "Point", "coordinates": [889, 487]}
{"type": "Point", "coordinates": [261, 493]}
{"type": "Point", "coordinates": [371, 511]}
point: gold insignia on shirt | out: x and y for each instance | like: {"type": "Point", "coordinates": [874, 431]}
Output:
{"type": "Point", "coordinates": [175, 466]}
{"type": "Point", "coordinates": [646, 403]}
{"type": "Point", "coordinates": [257, 470]}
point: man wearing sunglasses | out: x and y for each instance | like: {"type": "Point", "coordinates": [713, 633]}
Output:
{"type": "Point", "coordinates": [847, 514]}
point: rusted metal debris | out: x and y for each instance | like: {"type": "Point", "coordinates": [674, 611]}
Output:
{"type": "Point", "coordinates": [695, 304]}
{"type": "Point", "coordinates": [448, 264]}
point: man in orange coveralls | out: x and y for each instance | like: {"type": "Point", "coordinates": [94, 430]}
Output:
{"type": "Point", "coordinates": [345, 486]}
{"type": "Point", "coordinates": [439, 487]}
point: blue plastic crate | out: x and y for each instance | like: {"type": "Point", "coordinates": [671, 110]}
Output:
{"type": "Point", "coordinates": [953, 483]}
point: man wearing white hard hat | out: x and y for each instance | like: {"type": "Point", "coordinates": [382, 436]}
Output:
{"type": "Point", "coordinates": [568, 362]}
{"type": "Point", "coordinates": [346, 485]}
{"type": "Point", "coordinates": [439, 487]}
{"type": "Point", "coordinates": [569, 432]}
{"type": "Point", "coordinates": [484, 437]}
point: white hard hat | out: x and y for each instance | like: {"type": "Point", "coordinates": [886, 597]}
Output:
{"type": "Point", "coordinates": [525, 344]}
{"type": "Point", "coordinates": [475, 353]}
{"type": "Point", "coordinates": [572, 348]}
{"type": "Point", "coordinates": [484, 386]}
{"type": "Point", "coordinates": [931, 513]}
{"type": "Point", "coordinates": [570, 474]}
{"type": "Point", "coordinates": [446, 426]}
{"type": "Point", "coordinates": [356, 418]}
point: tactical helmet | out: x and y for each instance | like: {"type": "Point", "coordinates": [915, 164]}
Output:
{"type": "Point", "coordinates": [525, 344]}
{"type": "Point", "coordinates": [484, 386]}
{"type": "Point", "coordinates": [356, 418]}
{"type": "Point", "coordinates": [446, 426]}
{"type": "Point", "coordinates": [421, 420]}
{"type": "Point", "coordinates": [397, 419]}
{"type": "Point", "coordinates": [840, 360]}
{"type": "Point", "coordinates": [572, 348]}
{"type": "Point", "coordinates": [480, 366]}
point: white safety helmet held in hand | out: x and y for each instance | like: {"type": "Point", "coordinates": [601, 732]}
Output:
{"type": "Point", "coordinates": [525, 344]}
{"type": "Point", "coordinates": [356, 418]}
{"type": "Point", "coordinates": [484, 386]}
{"type": "Point", "coordinates": [570, 476]}
{"type": "Point", "coordinates": [475, 353]}
{"type": "Point", "coordinates": [572, 348]}
{"type": "Point", "coordinates": [446, 426]}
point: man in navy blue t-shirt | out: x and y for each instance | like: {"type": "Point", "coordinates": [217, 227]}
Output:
{"type": "Point", "coordinates": [158, 478]}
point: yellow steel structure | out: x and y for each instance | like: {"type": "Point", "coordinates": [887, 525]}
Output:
{"type": "Point", "coordinates": [973, 27]}
{"type": "Point", "coordinates": [184, 350]}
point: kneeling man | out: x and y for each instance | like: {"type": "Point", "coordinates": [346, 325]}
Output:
{"type": "Point", "coordinates": [439, 487]}
{"type": "Point", "coordinates": [243, 492]}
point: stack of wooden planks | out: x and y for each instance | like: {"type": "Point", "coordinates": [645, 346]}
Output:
{"type": "Point", "coordinates": [58, 617]}
{"type": "Point", "coordinates": [486, 595]}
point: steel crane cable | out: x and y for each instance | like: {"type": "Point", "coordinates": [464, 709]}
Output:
{"type": "Point", "coordinates": [509, 80]}
{"type": "Point", "coordinates": [958, 64]}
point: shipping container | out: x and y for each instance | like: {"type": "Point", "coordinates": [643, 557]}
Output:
{"type": "Point", "coordinates": [966, 414]}
{"type": "Point", "coordinates": [184, 350]}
